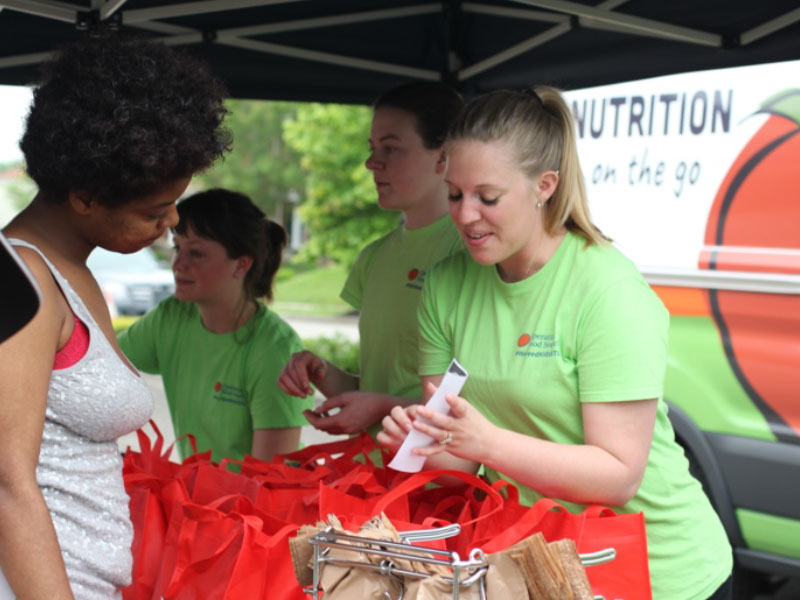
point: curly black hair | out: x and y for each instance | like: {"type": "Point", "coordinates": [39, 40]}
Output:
{"type": "Point", "coordinates": [118, 118]}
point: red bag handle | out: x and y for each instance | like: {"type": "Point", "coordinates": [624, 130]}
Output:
{"type": "Point", "coordinates": [278, 473]}
{"type": "Point", "coordinates": [533, 516]}
{"type": "Point", "coordinates": [145, 448]}
{"type": "Point", "coordinates": [522, 528]}
{"type": "Point", "coordinates": [349, 448]}
{"type": "Point", "coordinates": [511, 490]}
{"type": "Point", "coordinates": [148, 451]}
{"type": "Point", "coordinates": [420, 479]}
{"type": "Point", "coordinates": [192, 442]}
{"type": "Point", "coordinates": [364, 478]}
{"type": "Point", "coordinates": [596, 511]}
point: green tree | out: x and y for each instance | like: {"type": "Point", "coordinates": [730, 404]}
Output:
{"type": "Point", "coordinates": [17, 191]}
{"type": "Point", "coordinates": [260, 165]}
{"type": "Point", "coordinates": [339, 209]}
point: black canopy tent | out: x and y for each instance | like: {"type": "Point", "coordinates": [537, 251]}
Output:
{"type": "Point", "coordinates": [350, 50]}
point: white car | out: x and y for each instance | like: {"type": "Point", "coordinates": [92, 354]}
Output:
{"type": "Point", "coordinates": [132, 283]}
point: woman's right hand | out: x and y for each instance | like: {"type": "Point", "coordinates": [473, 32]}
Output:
{"type": "Point", "coordinates": [303, 369]}
{"type": "Point", "coordinates": [396, 426]}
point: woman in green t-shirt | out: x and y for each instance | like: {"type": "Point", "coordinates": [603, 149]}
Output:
{"type": "Point", "coordinates": [217, 346]}
{"type": "Point", "coordinates": [564, 342]}
{"type": "Point", "coordinates": [408, 162]}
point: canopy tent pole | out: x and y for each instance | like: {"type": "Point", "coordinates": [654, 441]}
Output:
{"type": "Point", "coordinates": [110, 7]}
{"type": "Point", "coordinates": [345, 19]}
{"type": "Point", "coordinates": [513, 13]}
{"type": "Point", "coordinates": [21, 60]}
{"type": "Point", "coordinates": [195, 8]}
{"type": "Point", "coordinates": [564, 26]}
{"type": "Point", "coordinates": [57, 11]}
{"type": "Point", "coordinates": [765, 29]}
{"type": "Point", "coordinates": [326, 57]}
{"type": "Point", "coordinates": [631, 23]}
{"type": "Point", "coordinates": [515, 50]}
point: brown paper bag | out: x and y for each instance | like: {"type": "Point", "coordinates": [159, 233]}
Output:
{"type": "Point", "coordinates": [576, 572]}
{"type": "Point", "coordinates": [303, 554]}
{"type": "Point", "coordinates": [552, 571]}
{"type": "Point", "coordinates": [544, 574]}
{"type": "Point", "coordinates": [504, 580]}
{"type": "Point", "coordinates": [436, 588]}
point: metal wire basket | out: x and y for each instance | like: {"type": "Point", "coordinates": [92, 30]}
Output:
{"type": "Point", "coordinates": [465, 573]}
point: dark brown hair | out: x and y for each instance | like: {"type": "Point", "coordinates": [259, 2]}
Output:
{"type": "Point", "coordinates": [434, 106]}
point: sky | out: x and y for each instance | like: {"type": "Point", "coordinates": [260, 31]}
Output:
{"type": "Point", "coordinates": [14, 102]}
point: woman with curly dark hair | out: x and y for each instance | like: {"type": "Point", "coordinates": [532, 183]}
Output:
{"type": "Point", "coordinates": [116, 129]}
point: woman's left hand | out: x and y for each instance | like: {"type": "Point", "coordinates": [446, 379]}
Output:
{"type": "Point", "coordinates": [465, 432]}
{"type": "Point", "coordinates": [356, 412]}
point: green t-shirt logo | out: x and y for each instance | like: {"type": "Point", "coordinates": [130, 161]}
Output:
{"type": "Point", "coordinates": [537, 345]}
{"type": "Point", "coordinates": [228, 393]}
{"type": "Point", "coordinates": [416, 277]}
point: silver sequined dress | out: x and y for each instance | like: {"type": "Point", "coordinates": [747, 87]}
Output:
{"type": "Point", "coordinates": [89, 405]}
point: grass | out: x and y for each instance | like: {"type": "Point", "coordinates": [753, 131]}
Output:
{"type": "Point", "coordinates": [303, 290]}
{"type": "Point", "coordinates": [122, 322]}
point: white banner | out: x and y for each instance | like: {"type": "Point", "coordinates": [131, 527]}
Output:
{"type": "Point", "coordinates": [654, 153]}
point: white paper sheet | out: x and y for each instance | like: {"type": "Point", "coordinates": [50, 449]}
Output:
{"type": "Point", "coordinates": [452, 382]}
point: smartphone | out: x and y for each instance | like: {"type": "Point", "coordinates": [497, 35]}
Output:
{"type": "Point", "coordinates": [20, 297]}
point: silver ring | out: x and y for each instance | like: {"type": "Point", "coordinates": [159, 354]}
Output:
{"type": "Point", "coordinates": [447, 439]}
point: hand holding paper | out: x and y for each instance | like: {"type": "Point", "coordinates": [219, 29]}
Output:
{"type": "Point", "coordinates": [451, 384]}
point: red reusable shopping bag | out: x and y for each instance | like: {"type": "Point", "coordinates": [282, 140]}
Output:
{"type": "Point", "coordinates": [146, 473]}
{"type": "Point", "coordinates": [150, 528]}
{"type": "Point", "coordinates": [228, 550]}
{"type": "Point", "coordinates": [627, 577]}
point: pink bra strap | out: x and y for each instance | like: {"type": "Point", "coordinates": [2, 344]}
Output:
{"type": "Point", "coordinates": [75, 348]}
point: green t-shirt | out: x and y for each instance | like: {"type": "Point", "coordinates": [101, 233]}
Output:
{"type": "Point", "coordinates": [218, 389]}
{"type": "Point", "coordinates": [385, 284]}
{"type": "Point", "coordinates": [584, 328]}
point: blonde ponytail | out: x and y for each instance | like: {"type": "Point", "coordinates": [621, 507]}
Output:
{"type": "Point", "coordinates": [538, 126]}
{"type": "Point", "coordinates": [568, 206]}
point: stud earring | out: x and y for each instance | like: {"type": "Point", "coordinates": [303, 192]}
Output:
{"type": "Point", "coordinates": [539, 204]}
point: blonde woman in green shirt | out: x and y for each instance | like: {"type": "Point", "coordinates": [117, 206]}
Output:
{"type": "Point", "coordinates": [564, 342]}
{"type": "Point", "coordinates": [407, 160]}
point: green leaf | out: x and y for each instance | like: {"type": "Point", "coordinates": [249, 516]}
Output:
{"type": "Point", "coordinates": [785, 103]}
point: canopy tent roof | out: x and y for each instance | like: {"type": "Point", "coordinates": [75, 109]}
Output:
{"type": "Point", "coordinates": [350, 50]}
